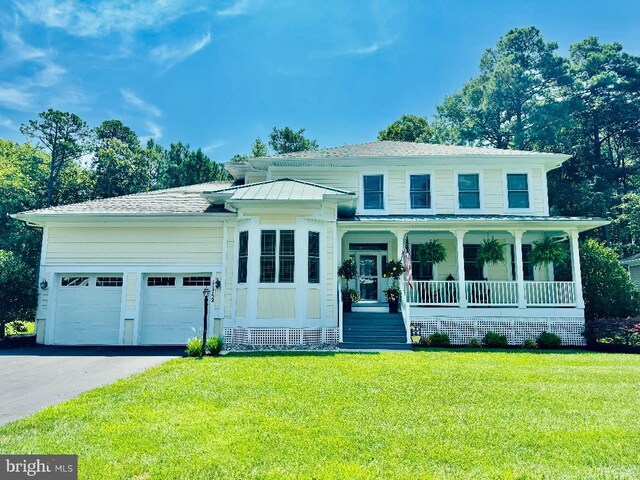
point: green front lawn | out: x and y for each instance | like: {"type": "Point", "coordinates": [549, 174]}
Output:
{"type": "Point", "coordinates": [432, 414]}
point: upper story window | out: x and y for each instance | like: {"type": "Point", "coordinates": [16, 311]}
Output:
{"type": "Point", "coordinates": [420, 191]}
{"type": "Point", "coordinates": [373, 192]}
{"type": "Point", "coordinates": [518, 190]}
{"type": "Point", "coordinates": [243, 256]}
{"type": "Point", "coordinates": [469, 190]}
{"type": "Point", "coordinates": [314, 257]}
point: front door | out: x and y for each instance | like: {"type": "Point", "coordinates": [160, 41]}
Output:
{"type": "Point", "coordinates": [369, 267]}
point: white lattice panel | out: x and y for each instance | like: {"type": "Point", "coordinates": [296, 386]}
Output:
{"type": "Point", "coordinates": [280, 336]}
{"type": "Point", "coordinates": [462, 330]}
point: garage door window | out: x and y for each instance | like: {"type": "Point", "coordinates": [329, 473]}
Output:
{"type": "Point", "coordinates": [109, 282]}
{"type": "Point", "coordinates": [75, 282]}
{"type": "Point", "coordinates": [196, 281]}
{"type": "Point", "coordinates": [161, 281]}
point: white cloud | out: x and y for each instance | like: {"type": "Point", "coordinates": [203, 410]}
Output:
{"type": "Point", "coordinates": [239, 7]}
{"type": "Point", "coordinates": [135, 101]}
{"type": "Point", "coordinates": [368, 49]}
{"type": "Point", "coordinates": [213, 145]}
{"type": "Point", "coordinates": [154, 130]}
{"type": "Point", "coordinates": [170, 55]}
{"type": "Point", "coordinates": [7, 123]}
{"type": "Point", "coordinates": [85, 19]}
{"type": "Point", "coordinates": [21, 51]}
{"type": "Point", "coordinates": [16, 98]}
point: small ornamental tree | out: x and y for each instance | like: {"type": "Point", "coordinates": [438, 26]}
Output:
{"type": "Point", "coordinates": [348, 271]}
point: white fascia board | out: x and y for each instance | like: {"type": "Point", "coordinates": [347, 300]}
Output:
{"type": "Point", "coordinates": [72, 218]}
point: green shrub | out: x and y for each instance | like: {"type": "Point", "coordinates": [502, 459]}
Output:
{"type": "Point", "coordinates": [529, 343]}
{"type": "Point", "coordinates": [194, 347]}
{"type": "Point", "coordinates": [425, 342]}
{"type": "Point", "coordinates": [494, 340]}
{"type": "Point", "coordinates": [474, 343]}
{"type": "Point", "coordinates": [439, 340]}
{"type": "Point", "coordinates": [214, 345]}
{"type": "Point", "coordinates": [548, 340]}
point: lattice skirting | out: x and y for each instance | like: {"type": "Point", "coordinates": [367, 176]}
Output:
{"type": "Point", "coordinates": [462, 330]}
{"type": "Point", "coordinates": [280, 336]}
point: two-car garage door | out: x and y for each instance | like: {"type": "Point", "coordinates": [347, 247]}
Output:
{"type": "Point", "coordinates": [88, 309]}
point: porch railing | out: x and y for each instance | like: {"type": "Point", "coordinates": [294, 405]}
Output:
{"type": "Point", "coordinates": [494, 293]}
{"type": "Point", "coordinates": [483, 293]}
{"type": "Point", "coordinates": [561, 294]}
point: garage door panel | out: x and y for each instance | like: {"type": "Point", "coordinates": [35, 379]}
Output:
{"type": "Point", "coordinates": [171, 311]}
{"type": "Point", "coordinates": [87, 314]}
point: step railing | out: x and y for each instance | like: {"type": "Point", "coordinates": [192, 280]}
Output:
{"type": "Point", "coordinates": [340, 314]}
{"type": "Point", "coordinates": [405, 309]}
{"type": "Point", "coordinates": [550, 294]}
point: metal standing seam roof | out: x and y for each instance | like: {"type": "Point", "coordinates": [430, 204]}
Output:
{"type": "Point", "coordinates": [278, 190]}
{"type": "Point", "coordinates": [471, 218]}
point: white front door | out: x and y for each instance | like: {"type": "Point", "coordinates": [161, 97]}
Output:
{"type": "Point", "coordinates": [369, 275]}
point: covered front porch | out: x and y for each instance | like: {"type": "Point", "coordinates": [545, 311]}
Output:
{"type": "Point", "coordinates": [458, 281]}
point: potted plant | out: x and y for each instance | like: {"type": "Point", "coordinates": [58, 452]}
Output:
{"type": "Point", "coordinates": [348, 271]}
{"type": "Point", "coordinates": [393, 269]}
{"type": "Point", "coordinates": [549, 250]}
{"type": "Point", "coordinates": [432, 252]}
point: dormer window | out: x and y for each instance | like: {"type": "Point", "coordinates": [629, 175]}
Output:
{"type": "Point", "coordinates": [373, 192]}
{"type": "Point", "coordinates": [469, 190]}
{"type": "Point", "coordinates": [518, 190]}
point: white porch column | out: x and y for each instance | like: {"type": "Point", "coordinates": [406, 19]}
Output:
{"type": "Point", "coordinates": [399, 242]}
{"type": "Point", "coordinates": [575, 268]}
{"type": "Point", "coordinates": [517, 250]}
{"type": "Point", "coordinates": [462, 294]}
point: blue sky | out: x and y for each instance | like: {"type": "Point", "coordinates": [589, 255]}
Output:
{"type": "Point", "coordinates": [218, 74]}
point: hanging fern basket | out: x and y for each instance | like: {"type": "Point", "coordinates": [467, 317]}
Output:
{"type": "Point", "coordinates": [549, 250]}
{"type": "Point", "coordinates": [490, 252]}
{"type": "Point", "coordinates": [432, 252]}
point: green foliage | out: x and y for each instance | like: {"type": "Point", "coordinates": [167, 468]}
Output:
{"type": "Point", "coordinates": [529, 343]}
{"type": "Point", "coordinates": [286, 140]}
{"type": "Point", "coordinates": [474, 343]}
{"type": "Point", "coordinates": [348, 270]}
{"type": "Point", "coordinates": [17, 285]}
{"type": "Point", "coordinates": [607, 289]}
{"type": "Point", "coordinates": [194, 347]}
{"type": "Point", "coordinates": [490, 252]}
{"type": "Point", "coordinates": [392, 293]}
{"type": "Point", "coordinates": [393, 269]}
{"type": "Point", "coordinates": [409, 128]}
{"type": "Point", "coordinates": [259, 149]}
{"type": "Point", "coordinates": [494, 340]}
{"type": "Point", "coordinates": [214, 345]}
{"type": "Point", "coordinates": [349, 295]}
{"type": "Point", "coordinates": [617, 331]}
{"type": "Point", "coordinates": [432, 252]}
{"type": "Point", "coordinates": [181, 166]}
{"type": "Point", "coordinates": [548, 251]}
{"type": "Point", "coordinates": [548, 340]}
{"type": "Point", "coordinates": [439, 340]}
{"type": "Point", "coordinates": [65, 136]}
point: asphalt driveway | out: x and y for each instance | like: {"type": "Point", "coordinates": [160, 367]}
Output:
{"type": "Point", "coordinates": [32, 378]}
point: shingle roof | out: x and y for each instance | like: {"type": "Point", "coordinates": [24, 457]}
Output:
{"type": "Point", "coordinates": [401, 149]}
{"type": "Point", "coordinates": [186, 199]}
{"type": "Point", "coordinates": [629, 259]}
{"type": "Point", "coordinates": [280, 189]}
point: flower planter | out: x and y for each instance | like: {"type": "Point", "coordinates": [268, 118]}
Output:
{"type": "Point", "coordinates": [415, 338]}
{"type": "Point", "coordinates": [393, 306]}
{"type": "Point", "coordinates": [346, 306]}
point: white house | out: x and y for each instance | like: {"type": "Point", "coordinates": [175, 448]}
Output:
{"type": "Point", "coordinates": [131, 270]}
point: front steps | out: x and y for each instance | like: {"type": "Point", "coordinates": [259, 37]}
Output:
{"type": "Point", "coordinates": [373, 330]}
{"type": "Point", "coordinates": [370, 307]}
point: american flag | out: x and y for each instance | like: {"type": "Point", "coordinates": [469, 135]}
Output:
{"type": "Point", "coordinates": [406, 259]}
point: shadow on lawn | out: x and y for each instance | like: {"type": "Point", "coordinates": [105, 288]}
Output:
{"type": "Point", "coordinates": [515, 350]}
{"type": "Point", "coordinates": [93, 351]}
{"type": "Point", "coordinates": [296, 353]}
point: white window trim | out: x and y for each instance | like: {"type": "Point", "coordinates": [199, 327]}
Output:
{"type": "Point", "coordinates": [505, 189]}
{"type": "Point", "coordinates": [277, 255]}
{"type": "Point", "coordinates": [456, 198]}
{"type": "Point", "coordinates": [385, 193]}
{"type": "Point", "coordinates": [432, 192]}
